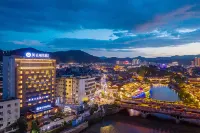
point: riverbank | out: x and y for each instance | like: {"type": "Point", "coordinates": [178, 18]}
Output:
{"type": "Point", "coordinates": [77, 129]}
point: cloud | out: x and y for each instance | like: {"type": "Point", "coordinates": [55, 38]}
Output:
{"type": "Point", "coordinates": [28, 43]}
{"type": "Point", "coordinates": [186, 30]}
{"type": "Point", "coordinates": [70, 15]}
{"type": "Point", "coordinates": [99, 25]}
{"type": "Point", "coordinates": [179, 14]}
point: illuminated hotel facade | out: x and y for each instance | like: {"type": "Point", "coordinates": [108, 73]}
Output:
{"type": "Point", "coordinates": [32, 80]}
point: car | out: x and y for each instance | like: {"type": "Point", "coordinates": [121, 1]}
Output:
{"type": "Point", "coordinates": [57, 119]}
{"type": "Point", "coordinates": [46, 122]}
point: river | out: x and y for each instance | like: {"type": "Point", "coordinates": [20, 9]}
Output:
{"type": "Point", "coordinates": [161, 92]}
{"type": "Point", "coordinates": [158, 123]}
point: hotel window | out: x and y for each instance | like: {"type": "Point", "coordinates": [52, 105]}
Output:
{"type": "Point", "coordinates": [20, 96]}
{"type": "Point", "coordinates": [20, 87]}
{"type": "Point", "coordinates": [20, 72]}
{"type": "Point", "coordinates": [29, 86]}
{"type": "Point", "coordinates": [20, 77]}
{"type": "Point", "coordinates": [32, 72]}
{"type": "Point", "coordinates": [21, 105]}
{"type": "Point", "coordinates": [27, 72]}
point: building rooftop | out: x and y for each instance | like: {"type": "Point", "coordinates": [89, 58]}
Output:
{"type": "Point", "coordinates": [10, 99]}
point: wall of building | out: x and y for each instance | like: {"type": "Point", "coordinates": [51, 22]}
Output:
{"type": "Point", "coordinates": [72, 90]}
{"type": "Point", "coordinates": [9, 112]}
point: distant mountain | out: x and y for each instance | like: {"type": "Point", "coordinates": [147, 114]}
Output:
{"type": "Point", "coordinates": [83, 57]}
{"type": "Point", "coordinates": [74, 56]}
{"type": "Point", "coordinates": [60, 56]}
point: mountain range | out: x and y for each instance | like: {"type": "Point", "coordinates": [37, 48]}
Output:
{"type": "Point", "coordinates": [83, 57]}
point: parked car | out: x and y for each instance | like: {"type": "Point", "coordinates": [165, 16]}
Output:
{"type": "Point", "coordinates": [46, 122]}
{"type": "Point", "coordinates": [57, 119]}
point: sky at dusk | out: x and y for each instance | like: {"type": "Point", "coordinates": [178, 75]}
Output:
{"type": "Point", "coordinates": [121, 28]}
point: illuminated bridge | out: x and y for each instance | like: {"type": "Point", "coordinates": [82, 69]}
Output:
{"type": "Point", "coordinates": [174, 109]}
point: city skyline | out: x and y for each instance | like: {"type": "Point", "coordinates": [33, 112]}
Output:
{"type": "Point", "coordinates": [102, 28]}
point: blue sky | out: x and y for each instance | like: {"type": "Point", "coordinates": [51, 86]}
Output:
{"type": "Point", "coordinates": [121, 28]}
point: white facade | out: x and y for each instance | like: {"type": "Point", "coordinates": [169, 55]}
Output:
{"type": "Point", "coordinates": [9, 112]}
{"type": "Point", "coordinates": [71, 90]}
{"type": "Point", "coordinates": [135, 62]}
{"type": "Point", "coordinates": [86, 88]}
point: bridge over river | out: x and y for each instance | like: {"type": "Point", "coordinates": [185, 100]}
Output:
{"type": "Point", "coordinates": [175, 109]}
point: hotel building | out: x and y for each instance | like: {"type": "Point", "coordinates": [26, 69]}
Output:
{"type": "Point", "coordinates": [72, 90]}
{"type": "Point", "coordinates": [32, 80]}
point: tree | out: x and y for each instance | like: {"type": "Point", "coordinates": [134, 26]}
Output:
{"type": "Point", "coordinates": [35, 127]}
{"type": "Point", "coordinates": [22, 124]}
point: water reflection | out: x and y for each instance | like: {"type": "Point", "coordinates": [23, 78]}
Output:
{"type": "Point", "coordinates": [125, 124]}
{"type": "Point", "coordinates": [164, 93]}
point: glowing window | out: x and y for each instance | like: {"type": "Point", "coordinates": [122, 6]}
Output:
{"type": "Point", "coordinates": [27, 72]}
{"type": "Point", "coordinates": [20, 87]}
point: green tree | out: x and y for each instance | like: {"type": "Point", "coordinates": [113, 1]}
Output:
{"type": "Point", "coordinates": [22, 124]}
{"type": "Point", "coordinates": [35, 127]}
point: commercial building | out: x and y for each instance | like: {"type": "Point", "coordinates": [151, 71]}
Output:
{"type": "Point", "coordinates": [72, 90]}
{"type": "Point", "coordinates": [9, 112]}
{"type": "Point", "coordinates": [30, 78]}
{"type": "Point", "coordinates": [65, 90]}
{"type": "Point", "coordinates": [135, 62]}
{"type": "Point", "coordinates": [197, 61]}
{"type": "Point", "coordinates": [192, 63]}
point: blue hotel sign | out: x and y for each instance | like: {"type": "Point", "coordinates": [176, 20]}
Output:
{"type": "Point", "coordinates": [36, 55]}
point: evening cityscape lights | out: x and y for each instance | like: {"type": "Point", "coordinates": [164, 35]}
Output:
{"type": "Point", "coordinates": [99, 66]}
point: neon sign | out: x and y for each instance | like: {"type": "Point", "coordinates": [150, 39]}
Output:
{"type": "Point", "coordinates": [43, 107]}
{"type": "Point", "coordinates": [38, 98]}
{"type": "Point", "coordinates": [36, 55]}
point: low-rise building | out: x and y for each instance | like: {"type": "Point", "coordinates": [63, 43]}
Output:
{"type": "Point", "coordinates": [72, 90]}
{"type": "Point", "coordinates": [9, 112]}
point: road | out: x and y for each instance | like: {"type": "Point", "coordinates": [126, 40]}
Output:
{"type": "Point", "coordinates": [57, 123]}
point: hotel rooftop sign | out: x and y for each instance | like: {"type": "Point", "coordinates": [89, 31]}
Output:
{"type": "Point", "coordinates": [36, 55]}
